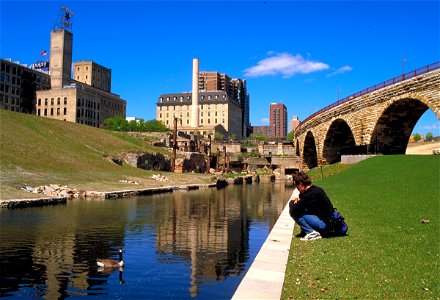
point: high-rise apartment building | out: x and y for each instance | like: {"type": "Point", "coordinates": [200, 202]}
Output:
{"type": "Point", "coordinates": [278, 120]}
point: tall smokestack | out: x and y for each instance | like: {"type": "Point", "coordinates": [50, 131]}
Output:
{"type": "Point", "coordinates": [195, 94]}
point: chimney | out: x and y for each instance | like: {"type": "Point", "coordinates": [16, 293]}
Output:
{"type": "Point", "coordinates": [195, 94]}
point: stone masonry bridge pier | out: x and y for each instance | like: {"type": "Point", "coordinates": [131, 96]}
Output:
{"type": "Point", "coordinates": [377, 120]}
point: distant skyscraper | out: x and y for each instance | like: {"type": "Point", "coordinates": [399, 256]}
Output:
{"type": "Point", "coordinates": [294, 123]}
{"type": "Point", "coordinates": [278, 120]}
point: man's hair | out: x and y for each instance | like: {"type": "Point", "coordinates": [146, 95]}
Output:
{"type": "Point", "coordinates": [303, 178]}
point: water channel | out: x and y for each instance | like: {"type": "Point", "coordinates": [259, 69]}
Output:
{"type": "Point", "coordinates": [181, 245]}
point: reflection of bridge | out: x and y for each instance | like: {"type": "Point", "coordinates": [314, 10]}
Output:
{"type": "Point", "coordinates": [379, 119]}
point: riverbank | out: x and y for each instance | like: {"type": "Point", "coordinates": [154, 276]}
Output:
{"type": "Point", "coordinates": [31, 202]}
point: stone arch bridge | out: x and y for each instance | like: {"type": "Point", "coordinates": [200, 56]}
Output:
{"type": "Point", "coordinates": [377, 120]}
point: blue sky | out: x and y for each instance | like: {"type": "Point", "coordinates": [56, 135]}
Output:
{"type": "Point", "coordinates": [304, 54]}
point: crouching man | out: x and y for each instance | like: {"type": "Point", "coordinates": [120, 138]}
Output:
{"type": "Point", "coordinates": [311, 208]}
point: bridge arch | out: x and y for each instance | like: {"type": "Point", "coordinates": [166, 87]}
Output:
{"type": "Point", "coordinates": [378, 119]}
{"type": "Point", "coordinates": [338, 140]}
{"type": "Point", "coordinates": [395, 124]}
{"type": "Point", "coordinates": [310, 155]}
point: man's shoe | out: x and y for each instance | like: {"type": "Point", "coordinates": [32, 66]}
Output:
{"type": "Point", "coordinates": [311, 236]}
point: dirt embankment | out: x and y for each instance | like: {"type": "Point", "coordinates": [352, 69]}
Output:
{"type": "Point", "coordinates": [422, 148]}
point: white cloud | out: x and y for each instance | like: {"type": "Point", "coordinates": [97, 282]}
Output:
{"type": "Point", "coordinates": [284, 64]}
{"type": "Point", "coordinates": [265, 121]}
{"type": "Point", "coordinates": [341, 70]}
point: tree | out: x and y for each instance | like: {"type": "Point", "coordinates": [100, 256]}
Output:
{"type": "Point", "coordinates": [429, 136]}
{"type": "Point", "coordinates": [258, 137]}
{"type": "Point", "coordinates": [155, 126]}
{"type": "Point", "coordinates": [416, 137]}
{"type": "Point", "coordinates": [291, 135]}
{"type": "Point", "coordinates": [133, 125]}
{"type": "Point", "coordinates": [109, 123]}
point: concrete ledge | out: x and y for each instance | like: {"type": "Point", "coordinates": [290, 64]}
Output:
{"type": "Point", "coordinates": [354, 159]}
{"type": "Point", "coordinates": [265, 277]}
{"type": "Point", "coordinates": [19, 203]}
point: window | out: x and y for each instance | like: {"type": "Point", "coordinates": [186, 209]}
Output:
{"type": "Point", "coordinates": [45, 111]}
{"type": "Point", "coordinates": [58, 101]}
{"type": "Point", "coordinates": [51, 111]}
{"type": "Point", "coordinates": [65, 111]}
{"type": "Point", "coordinates": [58, 111]}
{"type": "Point", "coordinates": [39, 112]}
{"type": "Point", "coordinates": [51, 101]}
{"type": "Point", "coordinates": [65, 100]}
{"type": "Point", "coordinates": [209, 97]}
{"type": "Point", "coordinates": [45, 101]}
{"type": "Point", "coordinates": [39, 102]}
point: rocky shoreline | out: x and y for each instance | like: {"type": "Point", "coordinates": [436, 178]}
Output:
{"type": "Point", "coordinates": [57, 194]}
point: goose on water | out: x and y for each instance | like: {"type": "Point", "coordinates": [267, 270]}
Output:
{"type": "Point", "coordinates": [111, 263]}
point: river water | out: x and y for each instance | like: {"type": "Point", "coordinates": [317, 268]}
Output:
{"type": "Point", "coordinates": [181, 245]}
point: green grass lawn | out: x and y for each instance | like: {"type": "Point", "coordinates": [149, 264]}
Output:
{"type": "Point", "coordinates": [389, 253]}
{"type": "Point", "coordinates": [36, 151]}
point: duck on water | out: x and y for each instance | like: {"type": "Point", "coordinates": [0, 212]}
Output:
{"type": "Point", "coordinates": [111, 263]}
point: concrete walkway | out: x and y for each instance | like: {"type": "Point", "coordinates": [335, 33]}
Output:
{"type": "Point", "coordinates": [265, 277]}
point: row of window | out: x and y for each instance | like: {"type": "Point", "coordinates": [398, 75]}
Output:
{"type": "Point", "coordinates": [6, 98]}
{"type": "Point", "coordinates": [5, 88]}
{"type": "Point", "coordinates": [87, 103]}
{"type": "Point", "coordinates": [187, 114]}
{"type": "Point", "coordinates": [81, 112]}
{"type": "Point", "coordinates": [168, 122]}
{"type": "Point", "coordinates": [188, 98]}
{"type": "Point", "coordinates": [86, 122]}
{"type": "Point", "coordinates": [188, 107]}
{"type": "Point", "coordinates": [52, 101]}
{"type": "Point", "coordinates": [52, 112]}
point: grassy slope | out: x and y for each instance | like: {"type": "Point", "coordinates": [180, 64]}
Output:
{"type": "Point", "coordinates": [36, 151]}
{"type": "Point", "coordinates": [388, 253]}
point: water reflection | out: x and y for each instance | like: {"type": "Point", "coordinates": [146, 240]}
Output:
{"type": "Point", "coordinates": [181, 245]}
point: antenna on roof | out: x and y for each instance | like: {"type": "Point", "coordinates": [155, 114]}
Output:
{"type": "Point", "coordinates": [64, 20]}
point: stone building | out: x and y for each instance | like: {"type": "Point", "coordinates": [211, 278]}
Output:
{"type": "Point", "coordinates": [87, 101]}
{"type": "Point", "coordinates": [217, 103]}
{"type": "Point", "coordinates": [215, 108]}
{"type": "Point", "coordinates": [18, 84]}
